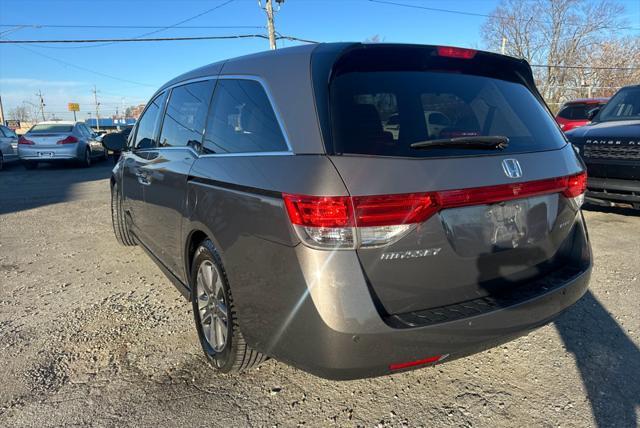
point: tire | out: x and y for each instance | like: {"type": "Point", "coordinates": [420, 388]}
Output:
{"type": "Point", "coordinates": [232, 354]}
{"type": "Point", "coordinates": [105, 155]}
{"type": "Point", "coordinates": [30, 164]}
{"type": "Point", "coordinates": [120, 229]}
{"type": "Point", "coordinates": [86, 162]}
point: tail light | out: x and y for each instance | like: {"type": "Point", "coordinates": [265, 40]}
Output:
{"type": "Point", "coordinates": [349, 222]}
{"type": "Point", "coordinates": [69, 140]}
{"type": "Point", "coordinates": [24, 141]}
{"type": "Point", "coordinates": [460, 53]}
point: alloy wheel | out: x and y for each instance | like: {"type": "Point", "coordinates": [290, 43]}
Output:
{"type": "Point", "coordinates": [212, 306]}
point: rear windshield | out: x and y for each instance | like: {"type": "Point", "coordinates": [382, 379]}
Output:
{"type": "Point", "coordinates": [50, 128]}
{"type": "Point", "coordinates": [384, 112]}
{"type": "Point", "coordinates": [576, 111]}
{"type": "Point", "coordinates": [625, 105]}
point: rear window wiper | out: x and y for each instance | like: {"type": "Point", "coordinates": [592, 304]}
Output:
{"type": "Point", "coordinates": [478, 142]}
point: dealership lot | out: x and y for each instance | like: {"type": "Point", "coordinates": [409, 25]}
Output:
{"type": "Point", "coordinates": [92, 333]}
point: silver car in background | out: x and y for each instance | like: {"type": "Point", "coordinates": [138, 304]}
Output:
{"type": "Point", "coordinates": [8, 146]}
{"type": "Point", "coordinates": [59, 141]}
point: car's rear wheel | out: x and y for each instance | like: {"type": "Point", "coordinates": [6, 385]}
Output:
{"type": "Point", "coordinates": [214, 314]}
{"type": "Point", "coordinates": [120, 229]}
{"type": "Point", "coordinates": [30, 164]}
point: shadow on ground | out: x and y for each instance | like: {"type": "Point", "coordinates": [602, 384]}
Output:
{"type": "Point", "coordinates": [607, 359]}
{"type": "Point", "coordinates": [22, 189]}
{"type": "Point", "coordinates": [611, 210]}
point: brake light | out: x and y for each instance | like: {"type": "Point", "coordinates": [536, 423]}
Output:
{"type": "Point", "coordinates": [345, 222]}
{"type": "Point", "coordinates": [25, 141]}
{"type": "Point", "coordinates": [460, 53]}
{"type": "Point", "coordinates": [69, 140]}
{"type": "Point", "coordinates": [576, 185]}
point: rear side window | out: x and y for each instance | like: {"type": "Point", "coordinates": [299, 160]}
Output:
{"type": "Point", "coordinates": [625, 105]}
{"type": "Point", "coordinates": [186, 115]}
{"type": "Point", "coordinates": [384, 112]}
{"type": "Point", "coordinates": [148, 124]}
{"type": "Point", "coordinates": [50, 128]}
{"type": "Point", "coordinates": [576, 111]}
{"type": "Point", "coordinates": [242, 120]}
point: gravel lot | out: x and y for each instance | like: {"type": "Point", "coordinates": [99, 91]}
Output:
{"type": "Point", "coordinates": [91, 333]}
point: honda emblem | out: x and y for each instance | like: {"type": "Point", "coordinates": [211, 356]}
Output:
{"type": "Point", "coordinates": [511, 168]}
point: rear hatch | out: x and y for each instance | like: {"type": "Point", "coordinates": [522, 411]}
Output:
{"type": "Point", "coordinates": [479, 219]}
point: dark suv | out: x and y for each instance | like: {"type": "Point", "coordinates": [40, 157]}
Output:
{"type": "Point", "coordinates": [610, 147]}
{"type": "Point", "coordinates": [356, 210]}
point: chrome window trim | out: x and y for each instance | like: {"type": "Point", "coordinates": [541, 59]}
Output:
{"type": "Point", "coordinates": [267, 91]}
{"type": "Point", "coordinates": [219, 155]}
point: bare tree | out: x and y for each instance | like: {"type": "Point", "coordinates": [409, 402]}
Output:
{"type": "Point", "coordinates": [566, 35]}
{"type": "Point", "coordinates": [20, 113]}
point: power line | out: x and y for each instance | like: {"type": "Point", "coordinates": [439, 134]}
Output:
{"type": "Point", "coordinates": [128, 40]}
{"type": "Point", "coordinates": [135, 27]}
{"type": "Point", "coordinates": [583, 67]}
{"type": "Point", "coordinates": [184, 21]}
{"type": "Point", "coordinates": [191, 18]}
{"type": "Point", "coordinates": [88, 70]}
{"type": "Point", "coordinates": [153, 39]}
{"type": "Point", "coordinates": [483, 15]}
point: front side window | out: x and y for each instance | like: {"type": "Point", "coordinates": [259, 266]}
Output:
{"type": "Point", "coordinates": [242, 120]}
{"type": "Point", "coordinates": [186, 115]}
{"type": "Point", "coordinates": [625, 105]}
{"type": "Point", "coordinates": [148, 124]}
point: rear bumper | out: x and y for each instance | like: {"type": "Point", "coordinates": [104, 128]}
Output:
{"type": "Point", "coordinates": [314, 310]}
{"type": "Point", "coordinates": [341, 356]}
{"type": "Point", "coordinates": [49, 154]}
{"type": "Point", "coordinates": [608, 191]}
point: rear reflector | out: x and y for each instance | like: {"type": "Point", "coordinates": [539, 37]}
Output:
{"type": "Point", "coordinates": [69, 140]}
{"type": "Point", "coordinates": [451, 52]}
{"type": "Point", "coordinates": [434, 359]}
{"type": "Point", "coordinates": [25, 141]}
{"type": "Point", "coordinates": [333, 222]}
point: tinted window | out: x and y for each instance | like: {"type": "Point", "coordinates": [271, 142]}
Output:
{"type": "Point", "coordinates": [384, 112]}
{"type": "Point", "coordinates": [3, 132]}
{"type": "Point", "coordinates": [9, 132]}
{"type": "Point", "coordinates": [241, 119]}
{"type": "Point", "coordinates": [45, 128]}
{"type": "Point", "coordinates": [148, 124]}
{"type": "Point", "coordinates": [83, 130]}
{"type": "Point", "coordinates": [577, 111]}
{"type": "Point", "coordinates": [186, 115]}
{"type": "Point", "coordinates": [625, 105]}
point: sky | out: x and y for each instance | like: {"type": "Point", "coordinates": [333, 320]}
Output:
{"type": "Point", "coordinates": [126, 74]}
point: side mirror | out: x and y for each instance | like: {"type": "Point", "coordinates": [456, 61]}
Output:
{"type": "Point", "coordinates": [116, 142]}
{"type": "Point", "coordinates": [593, 112]}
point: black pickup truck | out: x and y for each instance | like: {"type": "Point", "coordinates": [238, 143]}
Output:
{"type": "Point", "coordinates": [610, 147]}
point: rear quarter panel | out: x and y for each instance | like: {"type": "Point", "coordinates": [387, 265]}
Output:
{"type": "Point", "coordinates": [236, 201]}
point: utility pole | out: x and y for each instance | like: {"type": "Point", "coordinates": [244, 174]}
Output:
{"type": "Point", "coordinates": [95, 98]}
{"type": "Point", "coordinates": [1, 112]}
{"type": "Point", "coordinates": [271, 26]}
{"type": "Point", "coordinates": [503, 48]}
{"type": "Point", "coordinates": [39, 95]}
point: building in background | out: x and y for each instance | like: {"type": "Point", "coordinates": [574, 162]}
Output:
{"type": "Point", "coordinates": [109, 124]}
